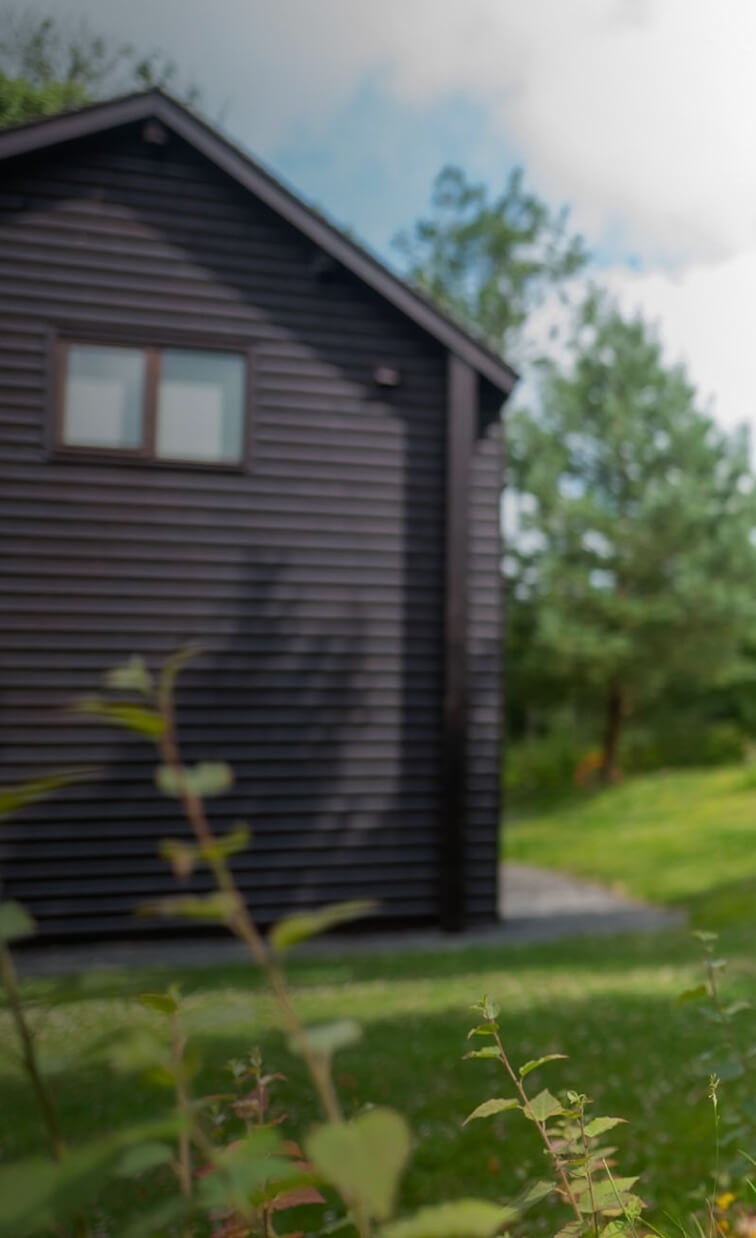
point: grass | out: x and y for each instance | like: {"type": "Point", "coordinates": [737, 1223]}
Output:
{"type": "Point", "coordinates": [686, 838]}
{"type": "Point", "coordinates": [680, 838]}
{"type": "Point", "coordinates": [608, 1004]}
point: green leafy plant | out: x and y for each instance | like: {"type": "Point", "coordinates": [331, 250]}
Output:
{"type": "Point", "coordinates": [730, 1058]}
{"type": "Point", "coordinates": [234, 1172]}
{"type": "Point", "coordinates": [581, 1166]}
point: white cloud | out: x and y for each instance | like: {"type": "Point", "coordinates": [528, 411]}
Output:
{"type": "Point", "coordinates": [641, 110]}
{"type": "Point", "coordinates": [707, 319]}
{"type": "Point", "coordinates": [640, 113]}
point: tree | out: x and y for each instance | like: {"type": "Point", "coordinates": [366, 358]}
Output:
{"type": "Point", "coordinates": [490, 261]}
{"type": "Point", "coordinates": [20, 100]}
{"type": "Point", "coordinates": [46, 67]}
{"type": "Point", "coordinates": [633, 560]}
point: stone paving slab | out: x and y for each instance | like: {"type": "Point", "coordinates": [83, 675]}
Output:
{"type": "Point", "coordinates": [536, 904]}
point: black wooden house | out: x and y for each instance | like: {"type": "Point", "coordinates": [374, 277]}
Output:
{"type": "Point", "coordinates": [223, 422]}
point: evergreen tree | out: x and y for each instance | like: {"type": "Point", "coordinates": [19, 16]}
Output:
{"type": "Point", "coordinates": [634, 563]}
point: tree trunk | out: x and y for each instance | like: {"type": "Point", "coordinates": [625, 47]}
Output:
{"type": "Point", "coordinates": [615, 709]}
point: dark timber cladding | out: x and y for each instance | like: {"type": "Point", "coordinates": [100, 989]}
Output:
{"type": "Point", "coordinates": [342, 581]}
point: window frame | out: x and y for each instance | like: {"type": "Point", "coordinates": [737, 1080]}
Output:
{"type": "Point", "coordinates": [62, 339]}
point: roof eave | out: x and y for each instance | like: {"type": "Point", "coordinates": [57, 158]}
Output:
{"type": "Point", "coordinates": [128, 109]}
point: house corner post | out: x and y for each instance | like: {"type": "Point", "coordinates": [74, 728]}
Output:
{"type": "Point", "coordinates": [461, 420]}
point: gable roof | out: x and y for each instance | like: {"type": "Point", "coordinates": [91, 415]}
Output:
{"type": "Point", "coordinates": [39, 135]}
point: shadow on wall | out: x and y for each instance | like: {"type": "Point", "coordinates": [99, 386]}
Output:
{"type": "Point", "coordinates": [325, 699]}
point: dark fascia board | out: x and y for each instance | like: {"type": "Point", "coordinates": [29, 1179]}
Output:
{"type": "Point", "coordinates": [100, 117]}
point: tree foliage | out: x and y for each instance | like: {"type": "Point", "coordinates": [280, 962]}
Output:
{"type": "Point", "coordinates": [47, 66]}
{"type": "Point", "coordinates": [489, 260]}
{"type": "Point", "coordinates": [633, 564]}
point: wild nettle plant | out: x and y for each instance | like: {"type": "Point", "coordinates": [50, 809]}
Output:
{"type": "Point", "coordinates": [237, 1171]}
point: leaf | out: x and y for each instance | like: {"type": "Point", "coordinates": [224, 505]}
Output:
{"type": "Point", "coordinates": [737, 1007]}
{"type": "Point", "coordinates": [226, 845]}
{"type": "Point", "coordinates": [37, 1194]}
{"type": "Point", "coordinates": [616, 1229]}
{"type": "Point", "coordinates": [139, 1159]}
{"type": "Point", "coordinates": [173, 667]}
{"type": "Point", "coordinates": [139, 1051]}
{"type": "Point", "coordinates": [460, 1218]}
{"type": "Point", "coordinates": [15, 922]}
{"type": "Point", "coordinates": [539, 1061]}
{"type": "Point", "coordinates": [599, 1126]}
{"type": "Point", "coordinates": [139, 718]}
{"type": "Point", "coordinates": [131, 676]}
{"type": "Point", "coordinates": [181, 856]}
{"type": "Point", "coordinates": [483, 1029]}
{"type": "Point", "coordinates": [363, 1158]}
{"type": "Point", "coordinates": [218, 906]}
{"type": "Point", "coordinates": [325, 1038]}
{"type": "Point", "coordinates": [295, 1197]}
{"type": "Point", "coordinates": [306, 924]}
{"type": "Point", "coordinates": [489, 1107]}
{"type": "Point", "coordinates": [606, 1194]}
{"type": "Point", "coordinates": [692, 995]}
{"type": "Point", "coordinates": [205, 778]}
{"type": "Point", "coordinates": [487, 1008]}
{"type": "Point", "coordinates": [244, 1167]}
{"type": "Point", "coordinates": [486, 1051]}
{"type": "Point", "coordinates": [164, 1003]}
{"type": "Point", "coordinates": [573, 1229]}
{"type": "Point", "coordinates": [543, 1106]}
{"type": "Point", "coordinates": [13, 798]}
{"type": "Point", "coordinates": [533, 1194]}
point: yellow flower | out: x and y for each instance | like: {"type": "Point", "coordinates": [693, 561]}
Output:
{"type": "Point", "coordinates": [724, 1201]}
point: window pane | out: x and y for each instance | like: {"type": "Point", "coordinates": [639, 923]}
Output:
{"type": "Point", "coordinates": [104, 397]}
{"type": "Point", "coordinates": [200, 406]}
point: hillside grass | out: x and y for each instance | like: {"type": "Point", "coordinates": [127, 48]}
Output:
{"type": "Point", "coordinates": [609, 1004]}
{"type": "Point", "coordinates": [684, 838]}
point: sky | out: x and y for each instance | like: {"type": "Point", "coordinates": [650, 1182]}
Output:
{"type": "Point", "coordinates": [640, 115]}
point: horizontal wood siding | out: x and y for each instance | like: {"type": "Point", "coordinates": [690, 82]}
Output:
{"type": "Point", "coordinates": [481, 867]}
{"type": "Point", "coordinates": [312, 583]}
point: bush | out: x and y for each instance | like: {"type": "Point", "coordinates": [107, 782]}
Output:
{"type": "Point", "coordinates": [682, 743]}
{"type": "Point", "coordinates": [555, 763]}
{"type": "Point", "coordinates": [544, 765]}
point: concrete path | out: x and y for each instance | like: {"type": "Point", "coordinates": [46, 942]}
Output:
{"type": "Point", "coordinates": [535, 904]}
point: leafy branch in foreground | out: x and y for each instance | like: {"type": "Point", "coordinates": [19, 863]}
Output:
{"type": "Point", "coordinates": [583, 1178]}
{"type": "Point", "coordinates": [361, 1159]}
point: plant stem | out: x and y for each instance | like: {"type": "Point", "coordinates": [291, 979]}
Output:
{"type": "Point", "coordinates": [715, 1102]}
{"type": "Point", "coordinates": [725, 1022]}
{"type": "Point", "coordinates": [241, 923]}
{"type": "Point", "coordinates": [625, 1213]}
{"type": "Point", "coordinates": [29, 1056]}
{"type": "Point", "coordinates": [589, 1179]}
{"type": "Point", "coordinates": [541, 1126]}
{"type": "Point", "coordinates": [182, 1099]}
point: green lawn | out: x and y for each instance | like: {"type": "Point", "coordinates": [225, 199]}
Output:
{"type": "Point", "coordinates": [681, 837]}
{"type": "Point", "coordinates": [608, 1004]}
